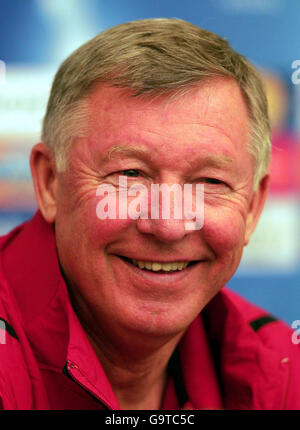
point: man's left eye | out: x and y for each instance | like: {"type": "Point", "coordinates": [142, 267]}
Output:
{"type": "Point", "coordinates": [212, 181]}
{"type": "Point", "coordinates": [133, 173]}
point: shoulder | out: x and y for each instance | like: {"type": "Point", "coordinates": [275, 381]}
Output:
{"type": "Point", "coordinates": [15, 382]}
{"type": "Point", "coordinates": [254, 350]}
{"type": "Point", "coordinates": [233, 320]}
{"type": "Point", "coordinates": [268, 327]}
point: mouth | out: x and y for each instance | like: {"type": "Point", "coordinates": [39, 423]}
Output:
{"type": "Point", "coordinates": [160, 267]}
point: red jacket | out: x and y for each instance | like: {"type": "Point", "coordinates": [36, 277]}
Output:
{"type": "Point", "coordinates": [233, 355]}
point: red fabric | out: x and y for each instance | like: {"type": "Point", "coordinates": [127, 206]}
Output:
{"type": "Point", "coordinates": [224, 363]}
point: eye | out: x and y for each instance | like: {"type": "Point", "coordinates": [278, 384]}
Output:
{"type": "Point", "coordinates": [213, 181]}
{"type": "Point", "coordinates": [132, 173]}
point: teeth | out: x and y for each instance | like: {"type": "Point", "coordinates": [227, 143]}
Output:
{"type": "Point", "coordinates": [155, 266]}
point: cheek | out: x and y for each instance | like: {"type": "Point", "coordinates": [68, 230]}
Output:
{"type": "Point", "coordinates": [223, 230]}
{"type": "Point", "coordinates": [103, 231]}
{"type": "Point", "coordinates": [106, 231]}
{"type": "Point", "coordinates": [85, 212]}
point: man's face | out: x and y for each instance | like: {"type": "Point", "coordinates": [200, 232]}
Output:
{"type": "Point", "coordinates": [200, 138]}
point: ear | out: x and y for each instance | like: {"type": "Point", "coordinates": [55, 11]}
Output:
{"type": "Point", "coordinates": [256, 206]}
{"type": "Point", "coordinates": [44, 176]}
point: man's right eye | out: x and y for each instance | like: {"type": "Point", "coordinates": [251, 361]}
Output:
{"type": "Point", "coordinates": [132, 173]}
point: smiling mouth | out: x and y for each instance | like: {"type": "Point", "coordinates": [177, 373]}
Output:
{"type": "Point", "coordinates": [158, 267]}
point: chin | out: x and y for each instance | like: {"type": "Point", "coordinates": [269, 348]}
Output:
{"type": "Point", "coordinates": [162, 320]}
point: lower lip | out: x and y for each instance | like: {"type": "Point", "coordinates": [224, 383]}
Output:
{"type": "Point", "coordinates": [167, 278]}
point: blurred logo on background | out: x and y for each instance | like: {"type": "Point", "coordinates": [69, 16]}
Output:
{"type": "Point", "coordinates": [16, 188]}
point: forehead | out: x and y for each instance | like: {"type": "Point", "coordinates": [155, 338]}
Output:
{"type": "Point", "coordinates": [211, 112]}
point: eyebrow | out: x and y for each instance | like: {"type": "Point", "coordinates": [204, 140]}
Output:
{"type": "Point", "coordinates": [118, 151]}
{"type": "Point", "coordinates": [211, 160]}
{"type": "Point", "coordinates": [217, 161]}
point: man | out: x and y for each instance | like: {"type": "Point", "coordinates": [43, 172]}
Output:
{"type": "Point", "coordinates": [129, 311]}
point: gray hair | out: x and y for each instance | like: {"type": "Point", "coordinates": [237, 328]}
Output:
{"type": "Point", "coordinates": [154, 57]}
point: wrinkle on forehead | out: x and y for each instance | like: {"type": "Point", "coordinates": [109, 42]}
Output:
{"type": "Point", "coordinates": [144, 153]}
{"type": "Point", "coordinates": [132, 150]}
{"type": "Point", "coordinates": [216, 105]}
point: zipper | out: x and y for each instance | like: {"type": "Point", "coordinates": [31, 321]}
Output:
{"type": "Point", "coordinates": [67, 370]}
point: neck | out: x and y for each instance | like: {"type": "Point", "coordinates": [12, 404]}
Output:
{"type": "Point", "coordinates": [138, 378]}
{"type": "Point", "coordinates": [135, 363]}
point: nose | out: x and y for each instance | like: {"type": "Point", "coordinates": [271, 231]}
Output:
{"type": "Point", "coordinates": [159, 222]}
{"type": "Point", "coordinates": [165, 230]}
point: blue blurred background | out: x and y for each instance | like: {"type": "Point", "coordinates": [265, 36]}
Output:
{"type": "Point", "coordinates": [36, 35]}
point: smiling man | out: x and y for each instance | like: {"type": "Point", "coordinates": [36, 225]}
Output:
{"type": "Point", "coordinates": [129, 312]}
